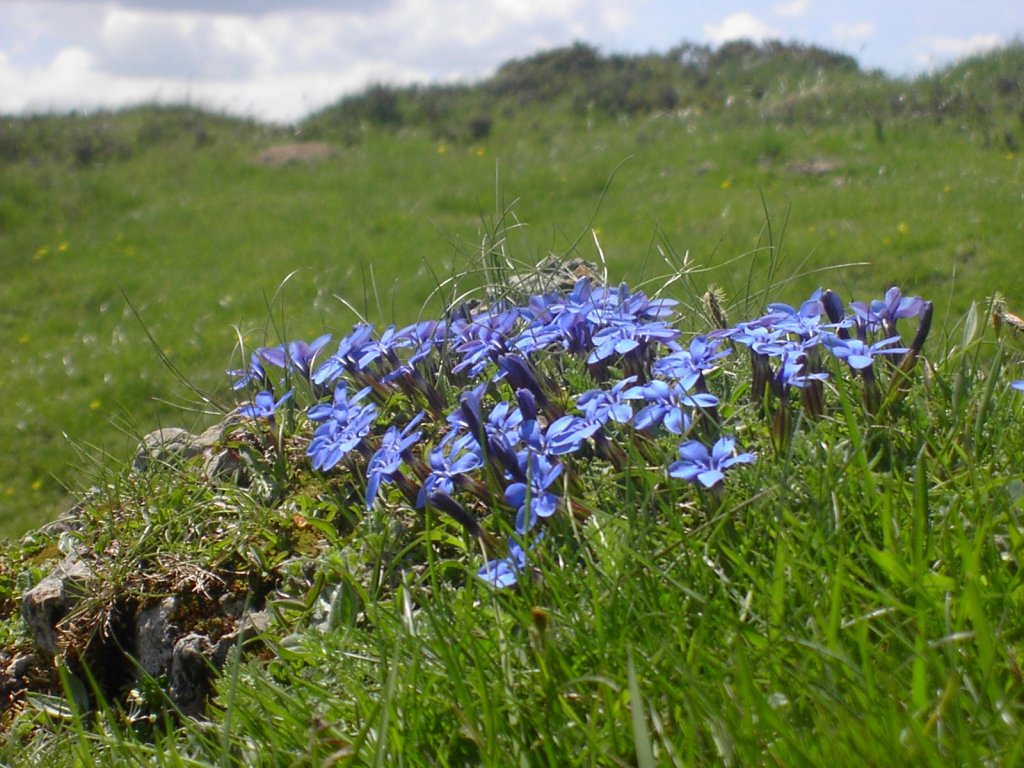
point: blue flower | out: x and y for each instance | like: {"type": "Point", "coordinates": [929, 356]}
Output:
{"type": "Point", "coordinates": [707, 467]}
{"type": "Point", "coordinates": [760, 338]}
{"type": "Point", "coordinates": [625, 336]}
{"type": "Point", "coordinates": [464, 420]}
{"type": "Point", "coordinates": [792, 372]}
{"type": "Point", "coordinates": [804, 322]}
{"type": "Point", "coordinates": [520, 375]}
{"type": "Point", "coordinates": [447, 464]}
{"type": "Point", "coordinates": [540, 336]}
{"type": "Point", "coordinates": [263, 406]}
{"type": "Point", "coordinates": [253, 374]}
{"type": "Point", "coordinates": [504, 421]}
{"type": "Point", "coordinates": [504, 572]}
{"type": "Point", "coordinates": [567, 434]}
{"type": "Point", "coordinates": [1018, 385]}
{"type": "Point", "coordinates": [531, 499]}
{"type": "Point", "coordinates": [340, 407]}
{"type": "Point", "coordinates": [688, 365]}
{"type": "Point", "coordinates": [386, 461]}
{"type": "Point", "coordinates": [348, 354]}
{"type": "Point", "coordinates": [564, 319]}
{"type": "Point", "coordinates": [383, 347]}
{"type": "Point", "coordinates": [483, 339]}
{"type": "Point", "coordinates": [885, 313]}
{"type": "Point", "coordinates": [423, 338]}
{"type": "Point", "coordinates": [295, 355]}
{"type": "Point", "coordinates": [859, 354]}
{"type": "Point", "coordinates": [667, 404]}
{"type": "Point", "coordinates": [600, 406]}
{"type": "Point", "coordinates": [563, 435]}
{"type": "Point", "coordinates": [345, 423]}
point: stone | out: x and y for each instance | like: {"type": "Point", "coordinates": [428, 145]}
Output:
{"type": "Point", "coordinates": [162, 446]}
{"type": "Point", "coordinates": [188, 678]}
{"type": "Point", "coordinates": [155, 636]}
{"type": "Point", "coordinates": [16, 677]}
{"type": "Point", "coordinates": [301, 152]}
{"type": "Point", "coordinates": [49, 601]}
{"type": "Point", "coordinates": [194, 658]}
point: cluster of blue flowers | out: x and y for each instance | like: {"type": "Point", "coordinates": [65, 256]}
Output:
{"type": "Point", "coordinates": [514, 419]}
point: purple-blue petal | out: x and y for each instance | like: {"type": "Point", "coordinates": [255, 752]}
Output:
{"type": "Point", "coordinates": [710, 477]}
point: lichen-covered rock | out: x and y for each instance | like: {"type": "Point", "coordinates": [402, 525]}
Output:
{"type": "Point", "coordinates": [220, 462]}
{"type": "Point", "coordinates": [195, 657]}
{"type": "Point", "coordinates": [162, 446]}
{"type": "Point", "coordinates": [19, 673]}
{"type": "Point", "coordinates": [155, 635]}
{"type": "Point", "coordinates": [188, 679]}
{"type": "Point", "coordinates": [48, 602]}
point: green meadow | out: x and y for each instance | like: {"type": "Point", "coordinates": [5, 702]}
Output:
{"type": "Point", "coordinates": [853, 596]}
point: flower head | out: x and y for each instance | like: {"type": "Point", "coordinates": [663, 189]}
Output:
{"type": "Point", "coordinates": [600, 406]}
{"type": "Point", "coordinates": [697, 463]}
{"type": "Point", "coordinates": [804, 322]}
{"type": "Point", "coordinates": [626, 336]}
{"type": "Point", "coordinates": [532, 499]}
{"type": "Point", "coordinates": [263, 406]}
{"type": "Point", "coordinates": [859, 354]}
{"type": "Point", "coordinates": [448, 463]}
{"type": "Point", "coordinates": [386, 461]}
{"type": "Point", "coordinates": [345, 422]}
{"type": "Point", "coordinates": [295, 355]}
{"type": "Point", "coordinates": [382, 348]}
{"type": "Point", "coordinates": [503, 572]}
{"type": "Point", "coordinates": [688, 365]}
{"type": "Point", "coordinates": [885, 312]}
{"type": "Point", "coordinates": [669, 405]}
{"type": "Point", "coordinates": [255, 373]}
{"type": "Point", "coordinates": [348, 354]}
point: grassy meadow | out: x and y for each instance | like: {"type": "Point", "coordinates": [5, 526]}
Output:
{"type": "Point", "coordinates": [854, 595]}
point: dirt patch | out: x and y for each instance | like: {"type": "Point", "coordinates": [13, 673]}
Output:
{"type": "Point", "coordinates": [814, 166]}
{"type": "Point", "coordinates": [304, 153]}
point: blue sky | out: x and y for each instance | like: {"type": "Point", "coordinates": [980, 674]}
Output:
{"type": "Point", "coordinates": [279, 60]}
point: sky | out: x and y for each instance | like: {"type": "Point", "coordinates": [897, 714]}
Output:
{"type": "Point", "coordinates": [280, 60]}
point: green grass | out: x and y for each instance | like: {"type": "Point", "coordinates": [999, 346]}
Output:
{"type": "Point", "coordinates": [854, 597]}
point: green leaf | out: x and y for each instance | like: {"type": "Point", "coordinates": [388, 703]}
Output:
{"type": "Point", "coordinates": [641, 736]}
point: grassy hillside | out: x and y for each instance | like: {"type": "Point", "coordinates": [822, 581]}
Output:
{"type": "Point", "coordinates": [793, 541]}
{"type": "Point", "coordinates": [158, 225]}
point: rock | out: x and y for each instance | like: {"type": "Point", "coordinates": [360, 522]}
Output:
{"type": "Point", "coordinates": [551, 274]}
{"type": "Point", "coordinates": [815, 166]}
{"type": "Point", "coordinates": [302, 152]}
{"type": "Point", "coordinates": [163, 446]}
{"type": "Point", "coordinates": [195, 657]}
{"type": "Point", "coordinates": [226, 465]}
{"type": "Point", "coordinates": [51, 599]}
{"type": "Point", "coordinates": [170, 444]}
{"type": "Point", "coordinates": [16, 677]}
{"type": "Point", "coordinates": [188, 678]}
{"type": "Point", "coordinates": [155, 636]}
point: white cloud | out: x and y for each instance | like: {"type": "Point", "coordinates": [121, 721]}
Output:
{"type": "Point", "coordinates": [793, 8]}
{"type": "Point", "coordinates": [269, 58]}
{"type": "Point", "coordinates": [852, 32]}
{"type": "Point", "coordinates": [937, 51]}
{"type": "Point", "coordinates": [241, 7]}
{"type": "Point", "coordinates": [180, 46]}
{"type": "Point", "coordinates": [742, 25]}
{"type": "Point", "coordinates": [956, 47]}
